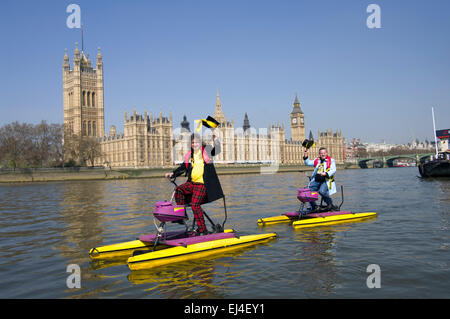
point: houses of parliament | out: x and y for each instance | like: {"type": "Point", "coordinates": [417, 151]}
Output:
{"type": "Point", "coordinates": [151, 140]}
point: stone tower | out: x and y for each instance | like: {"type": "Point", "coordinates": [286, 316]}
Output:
{"type": "Point", "coordinates": [297, 122]}
{"type": "Point", "coordinates": [218, 113]}
{"type": "Point", "coordinates": [83, 95]}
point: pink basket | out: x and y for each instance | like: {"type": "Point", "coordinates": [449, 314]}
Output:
{"type": "Point", "coordinates": [168, 212]}
{"type": "Point", "coordinates": [305, 195]}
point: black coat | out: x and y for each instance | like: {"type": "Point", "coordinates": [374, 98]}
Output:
{"type": "Point", "coordinates": [210, 178]}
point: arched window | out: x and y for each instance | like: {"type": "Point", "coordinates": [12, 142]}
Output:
{"type": "Point", "coordinates": [84, 128]}
{"type": "Point", "coordinates": [89, 128]}
{"type": "Point", "coordinates": [88, 98]}
{"type": "Point", "coordinates": [93, 99]}
{"type": "Point", "coordinates": [94, 129]}
{"type": "Point", "coordinates": [84, 98]}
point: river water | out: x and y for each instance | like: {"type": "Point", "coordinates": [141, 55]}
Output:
{"type": "Point", "coordinates": [44, 227]}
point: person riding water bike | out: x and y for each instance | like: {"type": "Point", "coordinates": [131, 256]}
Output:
{"type": "Point", "coordinates": [202, 185]}
{"type": "Point", "coordinates": [322, 179]}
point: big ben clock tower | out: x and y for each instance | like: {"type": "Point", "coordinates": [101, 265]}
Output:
{"type": "Point", "coordinates": [297, 122]}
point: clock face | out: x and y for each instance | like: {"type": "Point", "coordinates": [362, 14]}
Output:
{"type": "Point", "coordinates": [294, 120]}
{"type": "Point", "coordinates": [301, 120]}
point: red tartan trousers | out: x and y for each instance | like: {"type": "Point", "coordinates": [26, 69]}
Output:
{"type": "Point", "coordinates": [195, 195]}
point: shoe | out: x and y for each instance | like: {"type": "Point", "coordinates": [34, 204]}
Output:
{"type": "Point", "coordinates": [332, 208]}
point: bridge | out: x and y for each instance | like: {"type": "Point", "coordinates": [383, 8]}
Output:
{"type": "Point", "coordinates": [388, 160]}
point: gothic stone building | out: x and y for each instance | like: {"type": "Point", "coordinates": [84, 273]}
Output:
{"type": "Point", "coordinates": [149, 141]}
{"type": "Point", "coordinates": [268, 145]}
{"type": "Point", "coordinates": [145, 141]}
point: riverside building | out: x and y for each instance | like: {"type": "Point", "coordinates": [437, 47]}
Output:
{"type": "Point", "coordinates": [152, 141]}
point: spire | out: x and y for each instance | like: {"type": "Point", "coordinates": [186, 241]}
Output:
{"type": "Point", "coordinates": [66, 59]}
{"type": "Point", "coordinates": [296, 100]}
{"type": "Point", "coordinates": [77, 52]}
{"type": "Point", "coordinates": [246, 125]}
{"type": "Point", "coordinates": [310, 135]}
{"type": "Point", "coordinates": [218, 104]}
{"type": "Point", "coordinates": [296, 108]}
{"type": "Point", "coordinates": [218, 114]}
{"type": "Point", "coordinates": [99, 56]}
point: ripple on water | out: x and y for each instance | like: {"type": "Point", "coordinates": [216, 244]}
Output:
{"type": "Point", "coordinates": [46, 226]}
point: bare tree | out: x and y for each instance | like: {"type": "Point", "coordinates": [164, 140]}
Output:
{"type": "Point", "coordinates": [25, 145]}
{"type": "Point", "coordinates": [92, 149]}
{"type": "Point", "coordinates": [71, 147]}
{"type": "Point", "coordinates": [81, 149]}
{"type": "Point", "coordinates": [16, 146]}
{"type": "Point", "coordinates": [42, 144]}
{"type": "Point", "coordinates": [56, 140]}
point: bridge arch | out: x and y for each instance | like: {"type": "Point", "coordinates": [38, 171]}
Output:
{"type": "Point", "coordinates": [391, 159]}
{"type": "Point", "coordinates": [363, 162]}
{"type": "Point", "coordinates": [388, 161]}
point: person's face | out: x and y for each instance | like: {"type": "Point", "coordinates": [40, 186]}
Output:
{"type": "Point", "coordinates": [195, 144]}
{"type": "Point", "coordinates": [323, 154]}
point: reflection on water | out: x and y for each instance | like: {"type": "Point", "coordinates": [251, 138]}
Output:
{"type": "Point", "coordinates": [46, 226]}
{"type": "Point", "coordinates": [199, 278]}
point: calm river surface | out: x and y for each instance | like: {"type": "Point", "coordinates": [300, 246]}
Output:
{"type": "Point", "coordinates": [44, 227]}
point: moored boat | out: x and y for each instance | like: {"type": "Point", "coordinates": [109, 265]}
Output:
{"type": "Point", "coordinates": [401, 165]}
{"type": "Point", "coordinates": [438, 165]}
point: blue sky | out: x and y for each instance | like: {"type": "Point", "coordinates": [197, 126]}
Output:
{"type": "Point", "coordinates": [373, 84]}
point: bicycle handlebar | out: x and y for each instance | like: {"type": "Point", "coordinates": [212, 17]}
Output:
{"type": "Point", "coordinates": [172, 179]}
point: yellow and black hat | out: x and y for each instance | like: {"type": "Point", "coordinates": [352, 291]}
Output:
{"type": "Point", "coordinates": [308, 143]}
{"type": "Point", "coordinates": [209, 122]}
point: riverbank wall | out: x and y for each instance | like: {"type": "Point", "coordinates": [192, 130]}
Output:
{"type": "Point", "coordinates": [26, 175]}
